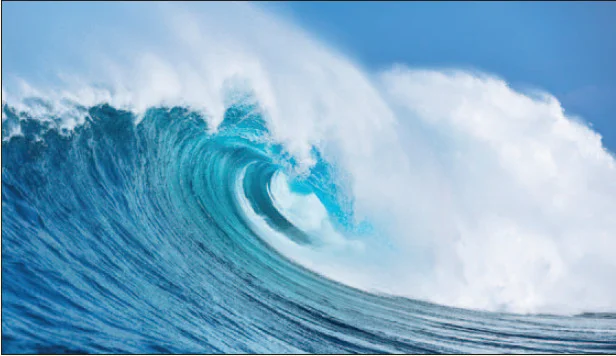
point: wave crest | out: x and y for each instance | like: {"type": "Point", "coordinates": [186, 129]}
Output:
{"type": "Point", "coordinates": [467, 192]}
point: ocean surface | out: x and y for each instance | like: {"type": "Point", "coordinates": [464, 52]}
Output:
{"type": "Point", "coordinates": [124, 238]}
{"type": "Point", "coordinates": [219, 181]}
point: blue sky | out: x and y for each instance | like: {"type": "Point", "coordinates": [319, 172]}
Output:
{"type": "Point", "coordinates": [567, 48]}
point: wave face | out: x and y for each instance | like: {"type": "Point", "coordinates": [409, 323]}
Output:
{"type": "Point", "coordinates": [142, 239]}
{"type": "Point", "coordinates": [229, 184]}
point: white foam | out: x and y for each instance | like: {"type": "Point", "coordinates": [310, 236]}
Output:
{"type": "Point", "coordinates": [482, 196]}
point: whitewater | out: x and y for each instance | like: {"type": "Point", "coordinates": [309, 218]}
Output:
{"type": "Point", "coordinates": [210, 178]}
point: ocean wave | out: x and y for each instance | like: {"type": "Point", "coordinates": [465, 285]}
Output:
{"type": "Point", "coordinates": [124, 237]}
{"type": "Point", "coordinates": [240, 187]}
